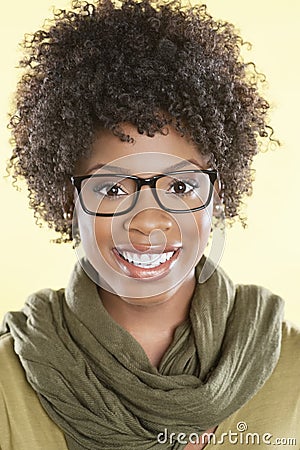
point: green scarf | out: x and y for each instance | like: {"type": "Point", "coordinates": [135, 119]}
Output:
{"type": "Point", "coordinates": [96, 382]}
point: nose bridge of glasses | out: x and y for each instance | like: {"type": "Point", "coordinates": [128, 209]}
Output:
{"type": "Point", "coordinates": [145, 185]}
{"type": "Point", "coordinates": [145, 193]}
{"type": "Point", "coordinates": [149, 182]}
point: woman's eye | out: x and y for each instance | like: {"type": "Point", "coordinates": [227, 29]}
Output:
{"type": "Point", "coordinates": [109, 190]}
{"type": "Point", "coordinates": [183, 187]}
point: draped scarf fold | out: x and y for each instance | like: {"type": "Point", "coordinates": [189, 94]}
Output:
{"type": "Point", "coordinates": [97, 384]}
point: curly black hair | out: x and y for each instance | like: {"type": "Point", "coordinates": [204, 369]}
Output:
{"type": "Point", "coordinates": [148, 63]}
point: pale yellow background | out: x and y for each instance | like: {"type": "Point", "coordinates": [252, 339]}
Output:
{"type": "Point", "coordinates": [267, 252]}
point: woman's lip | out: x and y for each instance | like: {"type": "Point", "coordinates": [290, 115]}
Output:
{"type": "Point", "coordinates": [143, 273]}
{"type": "Point", "coordinates": [143, 248]}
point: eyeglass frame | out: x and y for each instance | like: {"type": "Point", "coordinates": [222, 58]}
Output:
{"type": "Point", "coordinates": [77, 180]}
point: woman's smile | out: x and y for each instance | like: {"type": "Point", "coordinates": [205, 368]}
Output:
{"type": "Point", "coordinates": [146, 265]}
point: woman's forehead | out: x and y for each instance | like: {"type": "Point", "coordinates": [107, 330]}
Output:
{"type": "Point", "coordinates": [145, 154]}
{"type": "Point", "coordinates": [145, 163]}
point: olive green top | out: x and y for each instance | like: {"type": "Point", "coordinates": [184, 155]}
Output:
{"type": "Point", "coordinates": [273, 413]}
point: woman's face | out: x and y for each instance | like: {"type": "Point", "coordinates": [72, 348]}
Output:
{"type": "Point", "coordinates": [146, 251]}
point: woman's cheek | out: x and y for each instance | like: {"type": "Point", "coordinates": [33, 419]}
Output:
{"type": "Point", "coordinates": [203, 219]}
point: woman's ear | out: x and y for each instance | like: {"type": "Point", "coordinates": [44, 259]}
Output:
{"type": "Point", "coordinates": [218, 199]}
{"type": "Point", "coordinates": [68, 202]}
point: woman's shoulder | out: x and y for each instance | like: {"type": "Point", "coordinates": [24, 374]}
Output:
{"type": "Point", "coordinates": [9, 361]}
{"type": "Point", "coordinates": [285, 379]}
{"type": "Point", "coordinates": [274, 411]}
{"type": "Point", "coordinates": [23, 422]}
{"type": "Point", "coordinates": [291, 332]}
{"type": "Point", "coordinates": [290, 346]}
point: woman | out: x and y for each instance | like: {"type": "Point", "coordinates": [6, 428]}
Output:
{"type": "Point", "coordinates": [135, 125]}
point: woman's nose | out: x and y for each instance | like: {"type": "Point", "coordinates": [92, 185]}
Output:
{"type": "Point", "coordinates": [149, 219]}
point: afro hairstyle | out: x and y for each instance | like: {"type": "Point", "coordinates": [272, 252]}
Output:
{"type": "Point", "coordinates": [149, 63]}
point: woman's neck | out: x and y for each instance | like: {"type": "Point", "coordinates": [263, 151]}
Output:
{"type": "Point", "coordinates": [152, 323]}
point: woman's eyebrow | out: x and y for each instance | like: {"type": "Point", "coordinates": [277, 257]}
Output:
{"type": "Point", "coordinates": [109, 167]}
{"type": "Point", "coordinates": [118, 169]}
{"type": "Point", "coordinates": [182, 164]}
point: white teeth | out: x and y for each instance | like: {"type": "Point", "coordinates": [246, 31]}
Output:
{"type": "Point", "coordinates": [146, 260]}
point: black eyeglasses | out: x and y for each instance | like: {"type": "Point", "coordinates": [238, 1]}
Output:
{"type": "Point", "coordinates": [116, 194]}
